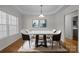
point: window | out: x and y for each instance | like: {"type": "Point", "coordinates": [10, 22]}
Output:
{"type": "Point", "coordinates": [35, 23]}
{"type": "Point", "coordinates": [8, 24]}
{"type": "Point", "coordinates": [3, 29]}
{"type": "Point", "coordinates": [42, 23]}
{"type": "Point", "coordinates": [13, 25]}
{"type": "Point", "coordinates": [39, 23]}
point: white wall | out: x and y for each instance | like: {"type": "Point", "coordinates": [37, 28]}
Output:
{"type": "Point", "coordinates": [27, 22]}
{"type": "Point", "coordinates": [7, 41]}
{"type": "Point", "coordinates": [68, 26]}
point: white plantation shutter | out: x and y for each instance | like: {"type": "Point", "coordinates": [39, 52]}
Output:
{"type": "Point", "coordinates": [3, 29]}
{"type": "Point", "coordinates": [13, 25]}
{"type": "Point", "coordinates": [8, 24]}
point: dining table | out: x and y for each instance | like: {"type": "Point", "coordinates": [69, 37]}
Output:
{"type": "Point", "coordinates": [44, 33]}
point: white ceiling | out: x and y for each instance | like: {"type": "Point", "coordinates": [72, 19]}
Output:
{"type": "Point", "coordinates": [35, 9]}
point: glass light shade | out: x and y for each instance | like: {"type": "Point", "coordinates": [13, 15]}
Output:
{"type": "Point", "coordinates": [41, 15]}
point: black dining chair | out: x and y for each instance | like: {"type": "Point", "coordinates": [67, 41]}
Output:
{"type": "Point", "coordinates": [26, 37]}
{"type": "Point", "coordinates": [57, 38]}
{"type": "Point", "coordinates": [48, 37]}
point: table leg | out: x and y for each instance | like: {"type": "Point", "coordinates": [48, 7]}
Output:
{"type": "Point", "coordinates": [45, 41]}
{"type": "Point", "coordinates": [36, 42]}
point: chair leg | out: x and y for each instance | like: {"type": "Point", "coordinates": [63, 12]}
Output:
{"type": "Point", "coordinates": [52, 44]}
{"type": "Point", "coordinates": [29, 45]}
{"type": "Point", "coordinates": [59, 44]}
{"type": "Point", "coordinates": [23, 43]}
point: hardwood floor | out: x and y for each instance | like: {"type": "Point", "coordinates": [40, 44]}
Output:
{"type": "Point", "coordinates": [71, 45]}
{"type": "Point", "coordinates": [17, 44]}
{"type": "Point", "coordinates": [14, 46]}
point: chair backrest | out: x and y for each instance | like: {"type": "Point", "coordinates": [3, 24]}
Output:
{"type": "Point", "coordinates": [25, 37]}
{"type": "Point", "coordinates": [54, 30]}
{"type": "Point", "coordinates": [56, 37]}
{"type": "Point", "coordinates": [23, 32]}
{"type": "Point", "coordinates": [26, 30]}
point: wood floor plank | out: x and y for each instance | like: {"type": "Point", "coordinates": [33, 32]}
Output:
{"type": "Point", "coordinates": [14, 46]}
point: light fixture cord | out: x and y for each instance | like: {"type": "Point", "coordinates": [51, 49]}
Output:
{"type": "Point", "coordinates": [41, 9]}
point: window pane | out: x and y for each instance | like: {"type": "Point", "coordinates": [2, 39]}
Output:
{"type": "Point", "coordinates": [12, 27]}
{"type": "Point", "coordinates": [3, 17]}
{"type": "Point", "coordinates": [35, 23]}
{"type": "Point", "coordinates": [17, 21]}
{"type": "Point", "coordinates": [17, 27]}
{"type": "Point", "coordinates": [0, 17]}
{"type": "Point", "coordinates": [0, 27]}
{"type": "Point", "coordinates": [0, 20]}
{"type": "Point", "coordinates": [4, 28]}
{"type": "Point", "coordinates": [12, 20]}
{"type": "Point", "coordinates": [12, 32]}
{"type": "Point", "coordinates": [42, 23]}
{"type": "Point", "coordinates": [17, 31]}
{"type": "Point", "coordinates": [3, 34]}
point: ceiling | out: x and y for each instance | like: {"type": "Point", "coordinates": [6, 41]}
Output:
{"type": "Point", "coordinates": [35, 9]}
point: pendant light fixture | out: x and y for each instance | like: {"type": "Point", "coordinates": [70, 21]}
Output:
{"type": "Point", "coordinates": [41, 15]}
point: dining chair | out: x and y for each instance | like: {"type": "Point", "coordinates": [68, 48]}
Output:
{"type": "Point", "coordinates": [49, 36]}
{"type": "Point", "coordinates": [57, 37]}
{"type": "Point", "coordinates": [26, 37]}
